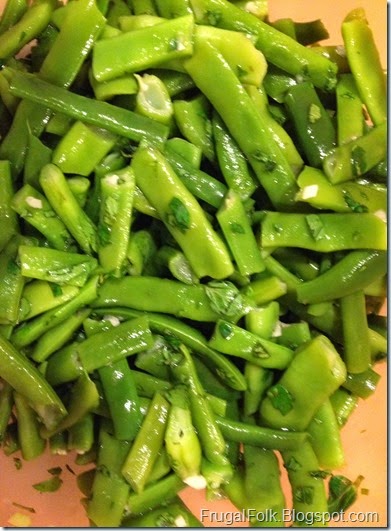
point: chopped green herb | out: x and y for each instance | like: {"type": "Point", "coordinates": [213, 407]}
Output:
{"type": "Point", "coordinates": [225, 330]}
{"type": "Point", "coordinates": [178, 215]}
{"type": "Point", "coordinates": [49, 485]}
{"type": "Point", "coordinates": [320, 474]}
{"type": "Point", "coordinates": [104, 235]}
{"type": "Point", "coordinates": [18, 463]}
{"type": "Point", "coordinates": [237, 228]}
{"type": "Point", "coordinates": [259, 351]}
{"type": "Point", "coordinates": [70, 469]}
{"type": "Point", "coordinates": [304, 494]}
{"type": "Point", "coordinates": [55, 471]}
{"type": "Point", "coordinates": [225, 298]}
{"type": "Point", "coordinates": [353, 204]}
{"type": "Point", "coordinates": [358, 160]}
{"type": "Point", "coordinates": [56, 289]}
{"type": "Point", "coordinates": [241, 71]}
{"type": "Point", "coordinates": [292, 464]}
{"type": "Point", "coordinates": [280, 398]}
{"type": "Point", "coordinates": [111, 210]}
{"type": "Point", "coordinates": [270, 165]}
{"type": "Point", "coordinates": [315, 225]}
{"type": "Point", "coordinates": [213, 18]}
{"type": "Point", "coordinates": [25, 507]}
{"type": "Point", "coordinates": [342, 492]}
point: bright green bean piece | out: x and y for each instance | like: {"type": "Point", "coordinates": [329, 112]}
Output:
{"type": "Point", "coordinates": [324, 232]}
{"type": "Point", "coordinates": [325, 437]}
{"type": "Point", "coordinates": [172, 39]}
{"type": "Point", "coordinates": [8, 221]}
{"type": "Point", "coordinates": [31, 443]}
{"type": "Point", "coordinates": [364, 61]}
{"type": "Point", "coordinates": [233, 340]}
{"type": "Point", "coordinates": [25, 378]}
{"type": "Point", "coordinates": [288, 404]}
{"type": "Point", "coordinates": [148, 442]}
{"type": "Point", "coordinates": [182, 214]}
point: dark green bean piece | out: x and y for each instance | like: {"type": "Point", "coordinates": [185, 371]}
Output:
{"type": "Point", "coordinates": [100, 113]}
{"type": "Point", "coordinates": [362, 384]}
{"type": "Point", "coordinates": [325, 437]}
{"type": "Point", "coordinates": [25, 378]}
{"type": "Point", "coordinates": [288, 404]}
{"type": "Point", "coordinates": [173, 514]}
{"type": "Point", "coordinates": [308, 489]}
{"type": "Point", "coordinates": [119, 388]}
{"type": "Point", "coordinates": [12, 13]}
{"type": "Point", "coordinates": [357, 351]}
{"type": "Point", "coordinates": [84, 397]}
{"type": "Point", "coordinates": [164, 324]}
{"type": "Point", "coordinates": [6, 405]}
{"type": "Point", "coordinates": [31, 443]}
{"type": "Point", "coordinates": [99, 350]}
{"type": "Point", "coordinates": [8, 221]}
{"type": "Point", "coordinates": [109, 489]}
{"type": "Point", "coordinates": [313, 126]}
{"type": "Point", "coordinates": [343, 403]}
{"type": "Point", "coordinates": [147, 444]}
{"type": "Point", "coordinates": [272, 439]}
{"type": "Point", "coordinates": [160, 492]}
{"type": "Point", "coordinates": [81, 436]}
{"type": "Point", "coordinates": [279, 49]}
{"type": "Point", "coordinates": [354, 271]}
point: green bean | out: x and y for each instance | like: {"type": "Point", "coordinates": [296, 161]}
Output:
{"type": "Point", "coordinates": [172, 514]}
{"type": "Point", "coordinates": [181, 214]}
{"type": "Point", "coordinates": [153, 99]}
{"type": "Point", "coordinates": [363, 57]}
{"type": "Point", "coordinates": [173, 8]}
{"type": "Point", "coordinates": [356, 157]}
{"type": "Point", "coordinates": [343, 403]}
{"type": "Point", "coordinates": [350, 118]}
{"type": "Point", "coordinates": [202, 185]}
{"type": "Point", "coordinates": [99, 350]}
{"type": "Point", "coordinates": [99, 113]}
{"type": "Point", "coordinates": [67, 208]}
{"type": "Point", "coordinates": [258, 380]}
{"type": "Point", "coordinates": [111, 57]}
{"type": "Point", "coordinates": [31, 443]}
{"type": "Point", "coordinates": [59, 267]}
{"type": "Point", "coordinates": [26, 379]}
{"type": "Point", "coordinates": [181, 440]}
{"type": "Point", "coordinates": [28, 332]}
{"type": "Point", "coordinates": [269, 438]}
{"type": "Point", "coordinates": [116, 205]}
{"type": "Point", "coordinates": [185, 149]}
{"type": "Point", "coordinates": [39, 296]}
{"type": "Point", "coordinates": [148, 442]}
{"type": "Point", "coordinates": [12, 281]}
{"type": "Point", "coordinates": [279, 49]}
{"type": "Point", "coordinates": [6, 405]}
{"type": "Point", "coordinates": [356, 353]}
{"type": "Point", "coordinates": [84, 397]}
{"type": "Point", "coordinates": [147, 385]}
{"type": "Point", "coordinates": [212, 440]}
{"type": "Point", "coordinates": [109, 489]}
{"type": "Point", "coordinates": [79, 187]}
{"type": "Point", "coordinates": [177, 264]}
{"type": "Point", "coordinates": [313, 125]}
{"type": "Point", "coordinates": [287, 404]}
{"type": "Point", "coordinates": [265, 289]}
{"type": "Point", "coordinates": [295, 335]}
{"type": "Point", "coordinates": [141, 249]}
{"type": "Point", "coordinates": [160, 492]}
{"type": "Point", "coordinates": [144, 7]}
{"type": "Point", "coordinates": [239, 235]}
{"type": "Point", "coordinates": [8, 221]}
{"type": "Point", "coordinates": [192, 338]}
{"type": "Point", "coordinates": [119, 388]}
{"type": "Point", "coordinates": [322, 232]}
{"type": "Point", "coordinates": [58, 68]}
{"type": "Point", "coordinates": [12, 13]}
{"type": "Point", "coordinates": [176, 82]}
{"type": "Point", "coordinates": [27, 28]}
{"type": "Point", "coordinates": [350, 196]}
{"type": "Point", "coordinates": [236, 341]}
{"type": "Point", "coordinates": [309, 495]}
{"type": "Point", "coordinates": [266, 159]}
{"type": "Point", "coordinates": [81, 435]}
{"type": "Point", "coordinates": [232, 162]}
{"type": "Point", "coordinates": [362, 384]}
{"type": "Point", "coordinates": [353, 272]}
{"type": "Point", "coordinates": [82, 148]}
{"type": "Point", "coordinates": [325, 437]}
{"type": "Point", "coordinates": [38, 154]}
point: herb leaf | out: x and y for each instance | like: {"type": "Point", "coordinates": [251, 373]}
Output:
{"type": "Point", "coordinates": [280, 398]}
{"type": "Point", "coordinates": [315, 226]}
{"type": "Point", "coordinates": [49, 485]}
{"type": "Point", "coordinates": [178, 215]}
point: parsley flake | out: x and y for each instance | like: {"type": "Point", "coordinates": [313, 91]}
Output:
{"type": "Point", "coordinates": [280, 398]}
{"type": "Point", "coordinates": [304, 494]}
{"type": "Point", "coordinates": [353, 204]}
{"type": "Point", "coordinates": [49, 485]}
{"type": "Point", "coordinates": [315, 224]}
{"type": "Point", "coordinates": [178, 215]}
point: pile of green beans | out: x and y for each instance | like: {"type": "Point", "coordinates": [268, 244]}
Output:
{"type": "Point", "coordinates": [192, 251]}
